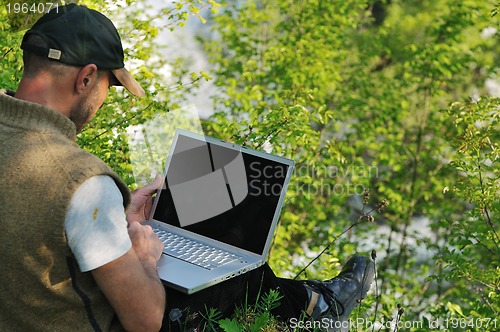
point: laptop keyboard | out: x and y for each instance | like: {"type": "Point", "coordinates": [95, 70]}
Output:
{"type": "Point", "coordinates": [194, 252]}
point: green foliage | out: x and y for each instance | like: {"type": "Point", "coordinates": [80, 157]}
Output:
{"type": "Point", "coordinates": [10, 53]}
{"type": "Point", "coordinates": [248, 318]}
{"type": "Point", "coordinates": [357, 93]}
{"type": "Point", "coordinates": [471, 257]}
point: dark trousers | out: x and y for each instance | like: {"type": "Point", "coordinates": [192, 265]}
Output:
{"type": "Point", "coordinates": [228, 295]}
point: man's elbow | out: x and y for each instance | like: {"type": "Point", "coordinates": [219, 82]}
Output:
{"type": "Point", "coordinates": [148, 320]}
{"type": "Point", "coordinates": [148, 323]}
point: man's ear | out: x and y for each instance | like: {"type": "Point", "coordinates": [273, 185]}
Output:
{"type": "Point", "coordinates": [86, 78]}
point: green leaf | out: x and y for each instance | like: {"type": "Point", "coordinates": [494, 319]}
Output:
{"type": "Point", "coordinates": [230, 325]}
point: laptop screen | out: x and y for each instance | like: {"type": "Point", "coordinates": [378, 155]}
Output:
{"type": "Point", "coordinates": [222, 191]}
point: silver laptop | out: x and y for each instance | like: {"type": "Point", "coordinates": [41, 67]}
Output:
{"type": "Point", "coordinates": [217, 210]}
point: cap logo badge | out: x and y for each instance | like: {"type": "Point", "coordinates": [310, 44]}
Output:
{"type": "Point", "coordinates": [54, 54]}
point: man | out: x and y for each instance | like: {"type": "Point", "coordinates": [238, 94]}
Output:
{"type": "Point", "coordinates": [75, 256]}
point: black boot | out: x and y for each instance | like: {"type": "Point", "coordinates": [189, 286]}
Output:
{"type": "Point", "coordinates": [332, 301]}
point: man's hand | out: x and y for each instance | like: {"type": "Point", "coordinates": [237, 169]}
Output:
{"type": "Point", "coordinates": [146, 244]}
{"type": "Point", "coordinates": [142, 200]}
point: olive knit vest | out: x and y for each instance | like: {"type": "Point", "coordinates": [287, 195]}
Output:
{"type": "Point", "coordinates": [41, 166]}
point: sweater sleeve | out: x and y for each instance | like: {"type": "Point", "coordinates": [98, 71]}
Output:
{"type": "Point", "coordinates": [95, 225]}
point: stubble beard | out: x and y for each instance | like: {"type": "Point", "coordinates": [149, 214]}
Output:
{"type": "Point", "coordinates": [83, 111]}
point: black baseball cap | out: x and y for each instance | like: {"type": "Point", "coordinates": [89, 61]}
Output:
{"type": "Point", "coordinates": [78, 36]}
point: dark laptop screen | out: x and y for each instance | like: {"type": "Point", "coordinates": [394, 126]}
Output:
{"type": "Point", "coordinates": [222, 193]}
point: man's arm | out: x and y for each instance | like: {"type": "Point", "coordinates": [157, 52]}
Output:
{"type": "Point", "coordinates": [131, 283]}
{"type": "Point", "coordinates": [121, 256]}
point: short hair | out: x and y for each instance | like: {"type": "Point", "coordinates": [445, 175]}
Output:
{"type": "Point", "coordinates": [35, 64]}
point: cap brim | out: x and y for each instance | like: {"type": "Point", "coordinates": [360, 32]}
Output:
{"type": "Point", "coordinates": [126, 79]}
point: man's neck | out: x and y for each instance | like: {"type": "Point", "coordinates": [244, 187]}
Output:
{"type": "Point", "coordinates": [44, 91]}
